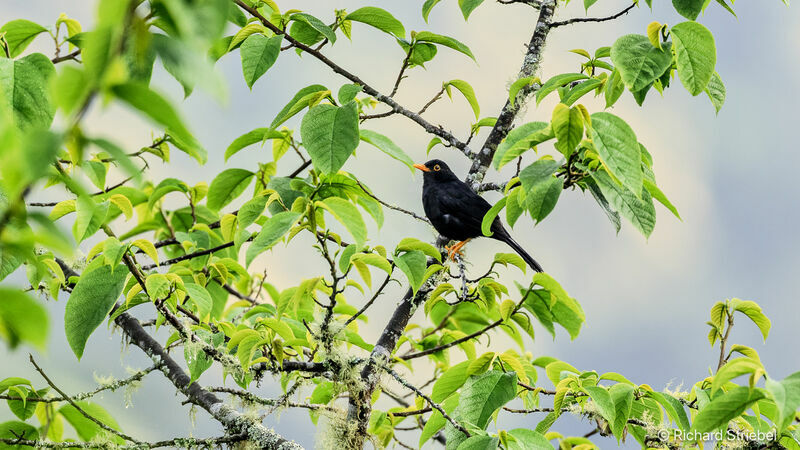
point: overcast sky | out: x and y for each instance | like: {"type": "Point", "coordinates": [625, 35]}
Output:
{"type": "Point", "coordinates": [646, 301]}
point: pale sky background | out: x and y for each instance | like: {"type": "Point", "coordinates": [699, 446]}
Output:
{"type": "Point", "coordinates": [646, 301]}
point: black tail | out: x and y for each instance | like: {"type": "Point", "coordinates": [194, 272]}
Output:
{"type": "Point", "coordinates": [505, 237]}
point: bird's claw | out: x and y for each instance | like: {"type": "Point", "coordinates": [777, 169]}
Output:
{"type": "Point", "coordinates": [455, 250]}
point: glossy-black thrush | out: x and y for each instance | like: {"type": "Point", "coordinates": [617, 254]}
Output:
{"type": "Point", "coordinates": [457, 212]}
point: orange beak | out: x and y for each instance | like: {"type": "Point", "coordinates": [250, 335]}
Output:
{"type": "Point", "coordinates": [422, 167]}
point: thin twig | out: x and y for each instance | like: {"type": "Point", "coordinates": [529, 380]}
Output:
{"type": "Point", "coordinates": [593, 19]}
{"type": "Point", "coordinates": [78, 408]}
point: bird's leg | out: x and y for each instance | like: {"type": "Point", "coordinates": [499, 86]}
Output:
{"type": "Point", "coordinates": [456, 249]}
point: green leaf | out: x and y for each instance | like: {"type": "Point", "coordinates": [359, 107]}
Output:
{"type": "Point", "coordinates": [450, 381]}
{"type": "Point", "coordinates": [348, 215]}
{"type": "Point", "coordinates": [658, 195]}
{"type": "Point", "coordinates": [92, 299]}
{"type": "Point", "coordinates": [413, 264]}
{"type": "Point", "coordinates": [297, 103]}
{"type": "Point", "coordinates": [753, 311]}
{"type": "Point", "coordinates": [695, 54]}
{"type": "Point", "coordinates": [622, 397]}
{"type": "Point", "coordinates": [639, 211]}
{"type": "Point", "coordinates": [86, 428]}
{"type": "Point", "coordinates": [479, 442]}
{"type": "Point", "coordinates": [18, 34]}
{"type": "Point", "coordinates": [227, 186]}
{"type": "Point", "coordinates": [488, 218]}
{"type": "Point", "coordinates": [22, 319]}
{"type": "Point", "coordinates": [715, 89]}
{"type": "Point", "coordinates": [316, 24]}
{"type": "Point", "coordinates": [90, 217]}
{"type": "Point", "coordinates": [201, 297]}
{"type": "Point", "coordinates": [526, 439]}
{"type": "Point", "coordinates": [24, 88]}
{"type": "Point", "coordinates": [517, 86]}
{"type": "Point", "coordinates": [330, 134]}
{"type": "Point", "coordinates": [13, 429]}
{"type": "Point", "coordinates": [786, 395]}
{"type": "Point", "coordinates": [673, 407]}
{"type": "Point", "coordinates": [520, 140]}
{"type": "Point", "coordinates": [258, 54]}
{"type": "Point", "coordinates": [273, 231]}
{"type": "Point", "coordinates": [157, 108]}
{"type": "Point", "coordinates": [408, 244]}
{"type": "Point", "coordinates": [638, 62]}
{"type": "Point", "coordinates": [619, 149]}
{"type": "Point", "coordinates": [480, 397]}
{"type": "Point", "coordinates": [732, 369]}
{"type": "Point", "coordinates": [372, 259]}
{"type": "Point", "coordinates": [378, 18]}
{"type": "Point", "coordinates": [467, 6]}
{"type": "Point", "coordinates": [580, 90]}
{"type": "Point", "coordinates": [556, 82]}
{"type": "Point", "coordinates": [567, 125]}
{"type": "Point", "coordinates": [688, 8]}
{"type": "Point", "coordinates": [348, 92]}
{"type": "Point", "coordinates": [468, 93]}
{"type": "Point", "coordinates": [614, 88]}
{"type": "Point", "coordinates": [427, 36]}
{"type": "Point", "coordinates": [437, 421]}
{"type": "Point", "coordinates": [426, 11]}
{"type": "Point", "coordinates": [541, 188]}
{"type": "Point", "coordinates": [386, 145]}
{"type": "Point", "coordinates": [602, 399]}
{"type": "Point", "coordinates": [725, 407]}
{"type": "Point", "coordinates": [251, 137]}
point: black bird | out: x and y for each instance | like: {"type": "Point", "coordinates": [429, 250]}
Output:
{"type": "Point", "coordinates": [457, 212]}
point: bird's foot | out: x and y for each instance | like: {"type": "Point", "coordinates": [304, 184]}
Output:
{"type": "Point", "coordinates": [456, 250]}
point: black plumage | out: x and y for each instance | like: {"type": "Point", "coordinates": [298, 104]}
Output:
{"type": "Point", "coordinates": [457, 212]}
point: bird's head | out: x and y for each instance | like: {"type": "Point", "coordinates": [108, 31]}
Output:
{"type": "Point", "coordinates": [436, 169]}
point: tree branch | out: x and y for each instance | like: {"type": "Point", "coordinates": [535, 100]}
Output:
{"type": "Point", "coordinates": [369, 90]}
{"type": "Point", "coordinates": [593, 19]}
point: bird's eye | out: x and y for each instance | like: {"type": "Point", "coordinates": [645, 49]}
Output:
{"type": "Point", "coordinates": [437, 168]}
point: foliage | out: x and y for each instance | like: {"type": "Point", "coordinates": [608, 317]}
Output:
{"type": "Point", "coordinates": [196, 265]}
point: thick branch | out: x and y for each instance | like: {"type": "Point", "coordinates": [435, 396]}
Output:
{"type": "Point", "coordinates": [481, 161]}
{"type": "Point", "coordinates": [231, 419]}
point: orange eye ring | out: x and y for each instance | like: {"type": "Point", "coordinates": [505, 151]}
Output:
{"type": "Point", "coordinates": [437, 168]}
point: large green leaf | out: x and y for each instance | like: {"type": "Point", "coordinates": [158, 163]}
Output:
{"type": "Point", "coordinates": [348, 215]}
{"type": "Point", "coordinates": [330, 134]}
{"type": "Point", "coordinates": [467, 6]}
{"type": "Point", "coordinates": [437, 421]}
{"type": "Point", "coordinates": [688, 8]}
{"type": "Point", "coordinates": [602, 399]}
{"type": "Point", "coordinates": [23, 88]}
{"type": "Point", "coordinates": [450, 381]}
{"type": "Point", "coordinates": [619, 149]}
{"type": "Point", "coordinates": [273, 231]}
{"type": "Point", "coordinates": [520, 140]}
{"type": "Point", "coordinates": [638, 62]}
{"type": "Point", "coordinates": [786, 395]}
{"type": "Point", "coordinates": [227, 186]}
{"type": "Point", "coordinates": [91, 301]}
{"type": "Point", "coordinates": [622, 396]}
{"type": "Point", "coordinates": [387, 146]}
{"type": "Point", "coordinates": [316, 24]}
{"type": "Point", "coordinates": [22, 319]}
{"type": "Point", "coordinates": [414, 265]}
{"type": "Point", "coordinates": [90, 217]}
{"type": "Point", "coordinates": [378, 18]}
{"type": "Point", "coordinates": [639, 211]}
{"type": "Point", "coordinates": [526, 439]}
{"type": "Point", "coordinates": [567, 125]}
{"type": "Point", "coordinates": [696, 55]}
{"type": "Point", "coordinates": [715, 89]}
{"type": "Point", "coordinates": [725, 407]}
{"type": "Point", "coordinates": [481, 396]}
{"type": "Point", "coordinates": [541, 188]}
{"type": "Point", "coordinates": [13, 430]}
{"type": "Point", "coordinates": [19, 33]}
{"type": "Point", "coordinates": [153, 105]}
{"type": "Point", "coordinates": [258, 54]}
{"type": "Point", "coordinates": [251, 137]}
{"type": "Point", "coordinates": [468, 92]}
